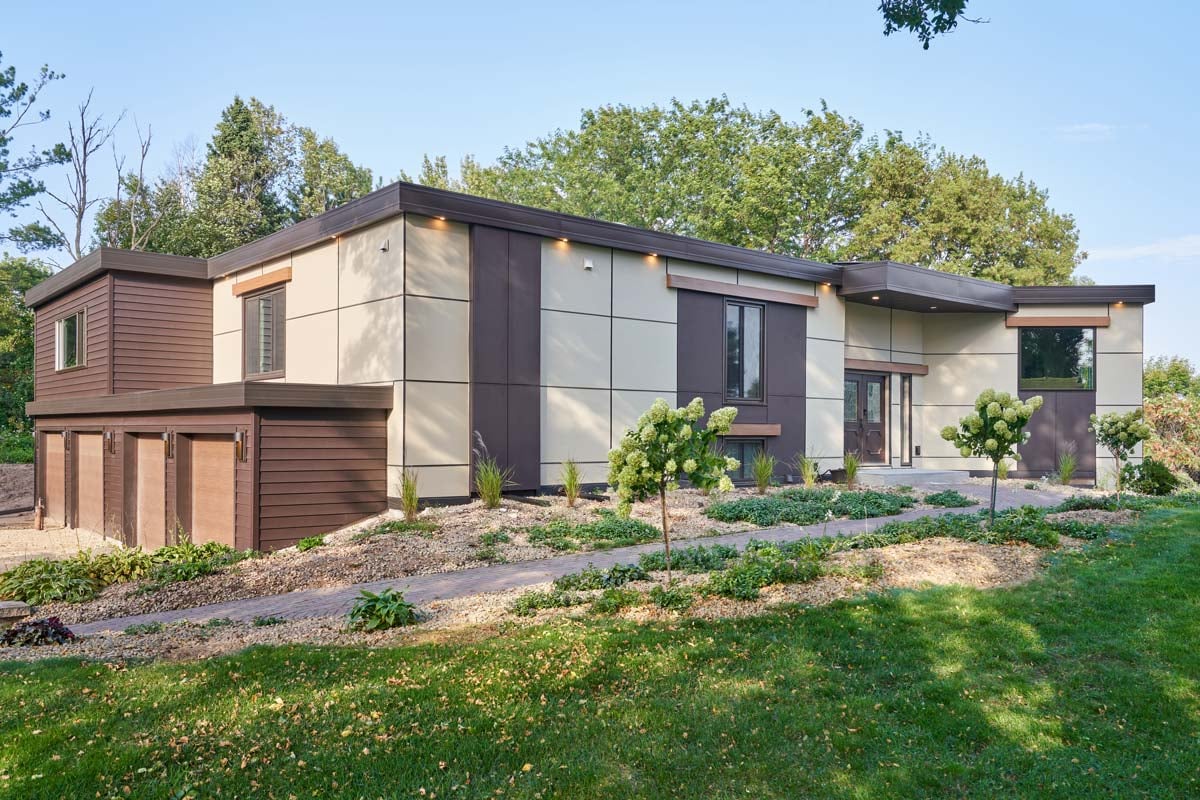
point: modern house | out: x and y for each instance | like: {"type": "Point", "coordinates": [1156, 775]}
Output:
{"type": "Point", "coordinates": [278, 390]}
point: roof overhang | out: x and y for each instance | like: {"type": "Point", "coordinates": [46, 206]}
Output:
{"type": "Point", "coordinates": [908, 288]}
{"type": "Point", "coordinates": [407, 197]}
{"type": "Point", "coordinates": [246, 394]}
{"type": "Point", "coordinates": [1083, 295]}
{"type": "Point", "coordinates": [109, 259]}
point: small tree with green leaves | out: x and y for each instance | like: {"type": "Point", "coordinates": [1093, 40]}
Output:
{"type": "Point", "coordinates": [665, 447]}
{"type": "Point", "coordinates": [993, 431]}
{"type": "Point", "coordinates": [1121, 433]}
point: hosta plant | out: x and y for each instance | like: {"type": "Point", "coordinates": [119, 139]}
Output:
{"type": "Point", "coordinates": [666, 446]}
{"type": "Point", "coordinates": [993, 431]}
{"type": "Point", "coordinates": [377, 612]}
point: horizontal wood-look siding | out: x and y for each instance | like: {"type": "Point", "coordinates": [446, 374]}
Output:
{"type": "Point", "coordinates": [95, 377]}
{"type": "Point", "coordinates": [162, 329]}
{"type": "Point", "coordinates": [319, 469]}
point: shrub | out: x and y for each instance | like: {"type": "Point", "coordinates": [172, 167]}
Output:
{"type": "Point", "coordinates": [665, 446]}
{"type": "Point", "coordinates": [592, 578]}
{"type": "Point", "coordinates": [697, 558]}
{"type": "Point", "coordinates": [570, 481]}
{"type": "Point", "coordinates": [187, 561]}
{"type": "Point", "coordinates": [1150, 477]}
{"type": "Point", "coordinates": [42, 581]}
{"type": "Point", "coordinates": [607, 531]}
{"type": "Point", "coordinates": [377, 612]}
{"type": "Point", "coordinates": [410, 500]}
{"type": "Point", "coordinates": [763, 469]}
{"type": "Point", "coordinates": [121, 566]}
{"type": "Point", "coordinates": [268, 621]}
{"type": "Point", "coordinates": [1032, 486]}
{"type": "Point", "coordinates": [808, 469]}
{"type": "Point", "coordinates": [140, 628]}
{"type": "Point", "coordinates": [1120, 433]}
{"type": "Point", "coordinates": [993, 431]}
{"type": "Point", "coordinates": [613, 600]}
{"type": "Point", "coordinates": [37, 632]}
{"type": "Point", "coordinates": [851, 464]}
{"type": "Point", "coordinates": [674, 598]}
{"type": "Point", "coordinates": [1067, 462]}
{"type": "Point", "coordinates": [1176, 440]}
{"type": "Point", "coordinates": [950, 498]}
{"type": "Point", "coordinates": [310, 542]}
{"type": "Point", "coordinates": [16, 447]}
{"type": "Point", "coordinates": [530, 603]}
{"type": "Point", "coordinates": [761, 565]}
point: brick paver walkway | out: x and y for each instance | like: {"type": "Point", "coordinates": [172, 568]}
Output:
{"type": "Point", "coordinates": [419, 589]}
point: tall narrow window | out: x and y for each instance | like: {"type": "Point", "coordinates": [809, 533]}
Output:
{"type": "Point", "coordinates": [264, 334]}
{"type": "Point", "coordinates": [743, 351]}
{"type": "Point", "coordinates": [70, 342]}
{"type": "Point", "coordinates": [906, 452]}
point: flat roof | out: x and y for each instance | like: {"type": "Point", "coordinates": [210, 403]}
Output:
{"type": "Point", "coordinates": [108, 259]}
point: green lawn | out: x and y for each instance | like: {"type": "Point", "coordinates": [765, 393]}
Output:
{"type": "Point", "coordinates": [1083, 684]}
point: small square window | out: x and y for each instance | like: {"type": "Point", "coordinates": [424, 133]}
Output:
{"type": "Point", "coordinates": [70, 345]}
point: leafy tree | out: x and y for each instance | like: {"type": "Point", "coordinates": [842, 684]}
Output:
{"type": "Point", "coordinates": [326, 177]}
{"type": "Point", "coordinates": [926, 18]}
{"type": "Point", "coordinates": [813, 189]}
{"type": "Point", "coordinates": [18, 274]}
{"type": "Point", "coordinates": [1121, 433]}
{"type": "Point", "coordinates": [665, 447]}
{"type": "Point", "coordinates": [933, 208]}
{"type": "Point", "coordinates": [1171, 376]}
{"type": "Point", "coordinates": [18, 184]}
{"type": "Point", "coordinates": [1175, 419]}
{"type": "Point", "coordinates": [993, 431]}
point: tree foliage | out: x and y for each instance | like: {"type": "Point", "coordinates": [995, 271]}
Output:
{"type": "Point", "coordinates": [926, 18]}
{"type": "Point", "coordinates": [18, 274]}
{"type": "Point", "coordinates": [1169, 376]}
{"type": "Point", "coordinates": [818, 188]}
{"type": "Point", "coordinates": [1175, 419]}
{"type": "Point", "coordinates": [993, 431]}
{"type": "Point", "coordinates": [18, 174]}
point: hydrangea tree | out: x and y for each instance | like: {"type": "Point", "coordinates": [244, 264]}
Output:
{"type": "Point", "coordinates": [1120, 433]}
{"type": "Point", "coordinates": [993, 431]}
{"type": "Point", "coordinates": [664, 447]}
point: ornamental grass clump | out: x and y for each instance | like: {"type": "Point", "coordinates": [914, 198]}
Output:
{"type": "Point", "coordinates": [808, 468]}
{"type": "Point", "coordinates": [763, 468]}
{"type": "Point", "coordinates": [570, 481]}
{"type": "Point", "coordinates": [664, 447]}
{"type": "Point", "coordinates": [410, 499]}
{"type": "Point", "coordinates": [993, 431]}
{"type": "Point", "coordinates": [1121, 433]}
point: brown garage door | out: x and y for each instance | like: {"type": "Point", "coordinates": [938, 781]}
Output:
{"type": "Point", "coordinates": [55, 491]}
{"type": "Point", "coordinates": [212, 489]}
{"type": "Point", "coordinates": [90, 485]}
{"type": "Point", "coordinates": [151, 492]}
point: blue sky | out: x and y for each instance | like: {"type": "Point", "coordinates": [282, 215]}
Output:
{"type": "Point", "coordinates": [1088, 99]}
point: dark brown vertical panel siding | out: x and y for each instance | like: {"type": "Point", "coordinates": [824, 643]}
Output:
{"type": "Point", "coordinates": [319, 469]}
{"type": "Point", "coordinates": [700, 366]}
{"type": "Point", "coordinates": [506, 349]}
{"type": "Point", "coordinates": [162, 330]}
{"type": "Point", "coordinates": [1063, 418]}
{"type": "Point", "coordinates": [95, 377]}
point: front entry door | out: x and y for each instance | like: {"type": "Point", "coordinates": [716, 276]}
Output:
{"type": "Point", "coordinates": [866, 417]}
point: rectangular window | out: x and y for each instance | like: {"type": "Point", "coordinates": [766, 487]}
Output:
{"type": "Point", "coordinates": [743, 351]}
{"type": "Point", "coordinates": [70, 342]}
{"type": "Point", "coordinates": [264, 334]}
{"type": "Point", "coordinates": [906, 421]}
{"type": "Point", "coordinates": [744, 450]}
{"type": "Point", "coordinates": [1058, 358]}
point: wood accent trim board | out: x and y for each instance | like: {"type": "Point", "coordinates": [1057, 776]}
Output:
{"type": "Point", "coordinates": [899, 367]}
{"type": "Point", "coordinates": [282, 275]}
{"type": "Point", "coordinates": [755, 429]}
{"type": "Point", "coordinates": [1056, 322]}
{"type": "Point", "coordinates": [746, 292]}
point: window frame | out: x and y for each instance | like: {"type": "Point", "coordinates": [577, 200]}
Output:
{"type": "Point", "coordinates": [762, 353]}
{"type": "Point", "coordinates": [279, 334]}
{"type": "Point", "coordinates": [80, 341]}
{"type": "Point", "coordinates": [1021, 360]}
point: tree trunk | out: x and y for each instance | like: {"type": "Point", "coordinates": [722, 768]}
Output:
{"type": "Point", "coordinates": [666, 525]}
{"type": "Point", "coordinates": [995, 482]}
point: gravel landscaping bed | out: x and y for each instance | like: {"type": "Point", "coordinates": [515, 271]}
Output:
{"type": "Point", "coordinates": [930, 562]}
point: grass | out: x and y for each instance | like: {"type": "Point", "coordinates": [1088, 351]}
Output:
{"type": "Point", "coordinates": [1082, 684]}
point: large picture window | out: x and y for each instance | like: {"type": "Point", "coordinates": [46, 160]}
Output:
{"type": "Point", "coordinates": [743, 351]}
{"type": "Point", "coordinates": [1058, 358]}
{"type": "Point", "coordinates": [264, 334]}
{"type": "Point", "coordinates": [70, 342]}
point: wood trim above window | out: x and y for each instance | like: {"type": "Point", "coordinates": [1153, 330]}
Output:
{"type": "Point", "coordinates": [1057, 322]}
{"type": "Point", "coordinates": [736, 290]}
{"type": "Point", "coordinates": [755, 429]}
{"type": "Point", "coordinates": [867, 365]}
{"type": "Point", "coordinates": [262, 281]}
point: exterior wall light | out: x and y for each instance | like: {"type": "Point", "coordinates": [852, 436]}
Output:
{"type": "Point", "coordinates": [874, 297]}
{"type": "Point", "coordinates": [588, 266]}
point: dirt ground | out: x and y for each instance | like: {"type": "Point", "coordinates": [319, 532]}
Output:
{"type": "Point", "coordinates": [931, 562]}
{"type": "Point", "coordinates": [16, 487]}
{"type": "Point", "coordinates": [23, 543]}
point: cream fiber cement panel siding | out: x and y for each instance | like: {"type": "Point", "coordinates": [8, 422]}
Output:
{"type": "Point", "coordinates": [639, 288]}
{"type": "Point", "coordinates": [371, 342]}
{"type": "Point", "coordinates": [437, 258]}
{"type": "Point", "coordinates": [313, 344]}
{"type": "Point", "coordinates": [436, 427]}
{"type": "Point", "coordinates": [437, 333]}
{"type": "Point", "coordinates": [567, 283]}
{"type": "Point", "coordinates": [366, 270]}
{"type": "Point", "coordinates": [314, 284]}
